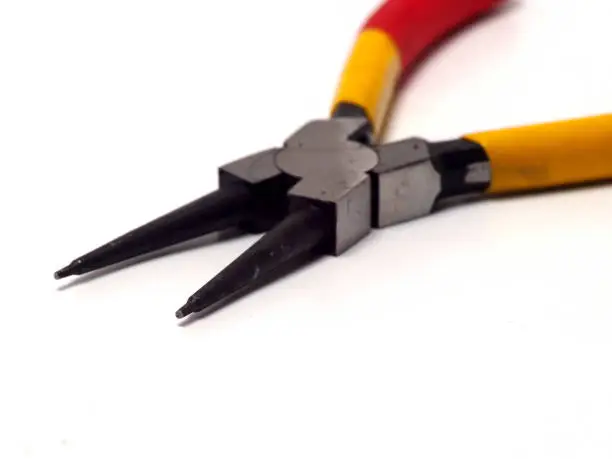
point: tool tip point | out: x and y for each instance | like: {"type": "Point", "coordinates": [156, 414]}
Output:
{"type": "Point", "coordinates": [70, 270]}
{"type": "Point", "coordinates": [180, 313]}
{"type": "Point", "coordinates": [60, 274]}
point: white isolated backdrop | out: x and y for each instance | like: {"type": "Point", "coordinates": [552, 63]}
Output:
{"type": "Point", "coordinates": [482, 331]}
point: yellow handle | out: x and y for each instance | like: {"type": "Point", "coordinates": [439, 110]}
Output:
{"type": "Point", "coordinates": [370, 76]}
{"type": "Point", "coordinates": [548, 155]}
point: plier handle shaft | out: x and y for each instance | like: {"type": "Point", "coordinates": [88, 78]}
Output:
{"type": "Point", "coordinates": [331, 182]}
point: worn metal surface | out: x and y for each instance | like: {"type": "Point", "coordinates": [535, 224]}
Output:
{"type": "Point", "coordinates": [408, 183]}
{"type": "Point", "coordinates": [333, 170]}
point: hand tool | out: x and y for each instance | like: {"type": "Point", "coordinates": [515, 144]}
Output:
{"type": "Point", "coordinates": [330, 182]}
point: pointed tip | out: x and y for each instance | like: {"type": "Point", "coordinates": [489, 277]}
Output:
{"type": "Point", "coordinates": [64, 272]}
{"type": "Point", "coordinates": [184, 310]}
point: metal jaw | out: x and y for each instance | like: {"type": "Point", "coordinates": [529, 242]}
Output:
{"type": "Point", "coordinates": [337, 189]}
{"type": "Point", "coordinates": [328, 167]}
{"type": "Point", "coordinates": [333, 172]}
{"type": "Point", "coordinates": [320, 193]}
{"type": "Point", "coordinates": [324, 163]}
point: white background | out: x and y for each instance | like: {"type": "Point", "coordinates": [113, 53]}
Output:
{"type": "Point", "coordinates": [483, 331]}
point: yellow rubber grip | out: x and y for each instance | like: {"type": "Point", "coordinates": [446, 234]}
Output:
{"type": "Point", "coordinates": [370, 76]}
{"type": "Point", "coordinates": [548, 155]}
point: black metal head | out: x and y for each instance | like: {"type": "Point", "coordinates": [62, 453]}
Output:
{"type": "Point", "coordinates": [320, 193]}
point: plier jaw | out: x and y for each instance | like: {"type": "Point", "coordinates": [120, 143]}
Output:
{"type": "Point", "coordinates": [266, 186]}
{"type": "Point", "coordinates": [325, 164]}
{"type": "Point", "coordinates": [319, 182]}
{"type": "Point", "coordinates": [333, 173]}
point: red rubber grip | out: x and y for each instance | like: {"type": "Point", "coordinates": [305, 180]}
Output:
{"type": "Point", "coordinates": [415, 25]}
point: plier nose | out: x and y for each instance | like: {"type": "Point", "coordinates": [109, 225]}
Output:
{"type": "Point", "coordinates": [331, 182]}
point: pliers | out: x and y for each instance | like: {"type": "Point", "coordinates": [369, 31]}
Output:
{"type": "Point", "coordinates": [331, 181]}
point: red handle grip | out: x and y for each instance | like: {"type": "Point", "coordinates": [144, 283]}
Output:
{"type": "Point", "coordinates": [414, 25]}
